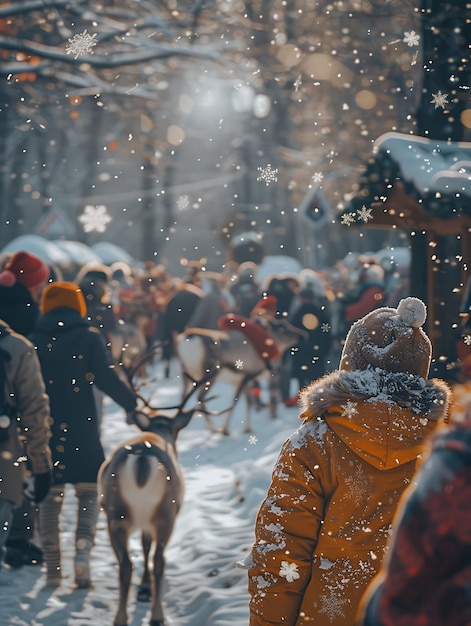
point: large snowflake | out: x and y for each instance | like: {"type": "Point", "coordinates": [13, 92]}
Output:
{"type": "Point", "coordinates": [439, 99]}
{"type": "Point", "coordinates": [95, 218]}
{"type": "Point", "coordinates": [348, 218]}
{"type": "Point", "coordinates": [411, 38]}
{"type": "Point", "coordinates": [267, 174]}
{"type": "Point", "coordinates": [289, 571]}
{"type": "Point", "coordinates": [365, 213]}
{"type": "Point", "coordinates": [349, 409]}
{"type": "Point", "coordinates": [81, 44]}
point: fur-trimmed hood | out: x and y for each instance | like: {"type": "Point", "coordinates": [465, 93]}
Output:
{"type": "Point", "coordinates": [382, 416]}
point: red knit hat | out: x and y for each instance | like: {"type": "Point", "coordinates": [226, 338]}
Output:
{"type": "Point", "coordinates": [63, 293]}
{"type": "Point", "coordinates": [268, 304]}
{"type": "Point", "coordinates": [24, 268]}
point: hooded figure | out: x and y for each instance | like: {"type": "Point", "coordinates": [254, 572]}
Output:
{"type": "Point", "coordinates": [322, 529]}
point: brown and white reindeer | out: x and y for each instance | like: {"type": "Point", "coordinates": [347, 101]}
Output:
{"type": "Point", "coordinates": [141, 487]}
{"type": "Point", "coordinates": [236, 359]}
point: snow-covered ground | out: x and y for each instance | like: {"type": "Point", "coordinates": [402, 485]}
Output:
{"type": "Point", "coordinates": [226, 479]}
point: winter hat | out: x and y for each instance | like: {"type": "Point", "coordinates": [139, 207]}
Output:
{"type": "Point", "coordinates": [390, 339]}
{"type": "Point", "coordinates": [61, 294]}
{"type": "Point", "coordinates": [268, 304]}
{"type": "Point", "coordinates": [24, 268]}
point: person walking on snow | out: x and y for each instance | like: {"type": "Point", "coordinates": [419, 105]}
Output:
{"type": "Point", "coordinates": [322, 529]}
{"type": "Point", "coordinates": [23, 278]}
{"type": "Point", "coordinates": [25, 405]}
{"type": "Point", "coordinates": [73, 359]}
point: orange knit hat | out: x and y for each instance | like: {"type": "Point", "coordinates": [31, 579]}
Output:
{"type": "Point", "coordinates": [60, 294]}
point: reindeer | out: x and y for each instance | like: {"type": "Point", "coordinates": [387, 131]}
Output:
{"type": "Point", "coordinates": [141, 488]}
{"type": "Point", "coordinates": [236, 360]}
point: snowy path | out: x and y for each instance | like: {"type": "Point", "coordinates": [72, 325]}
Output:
{"type": "Point", "coordinates": [226, 478]}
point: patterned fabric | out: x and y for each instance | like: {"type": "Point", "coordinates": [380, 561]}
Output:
{"type": "Point", "coordinates": [426, 579]}
{"type": "Point", "coordinates": [322, 529]}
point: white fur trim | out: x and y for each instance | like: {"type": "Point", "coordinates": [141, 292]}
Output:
{"type": "Point", "coordinates": [412, 311]}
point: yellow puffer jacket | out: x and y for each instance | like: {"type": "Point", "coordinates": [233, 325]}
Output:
{"type": "Point", "coordinates": [322, 530]}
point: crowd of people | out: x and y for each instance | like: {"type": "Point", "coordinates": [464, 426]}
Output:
{"type": "Point", "coordinates": [324, 528]}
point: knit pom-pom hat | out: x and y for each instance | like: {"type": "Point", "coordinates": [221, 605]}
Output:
{"type": "Point", "coordinates": [24, 268]}
{"type": "Point", "coordinates": [391, 339]}
{"type": "Point", "coordinates": [63, 294]}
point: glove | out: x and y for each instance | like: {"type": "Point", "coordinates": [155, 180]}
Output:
{"type": "Point", "coordinates": [39, 487]}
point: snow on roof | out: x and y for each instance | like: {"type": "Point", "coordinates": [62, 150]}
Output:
{"type": "Point", "coordinates": [436, 173]}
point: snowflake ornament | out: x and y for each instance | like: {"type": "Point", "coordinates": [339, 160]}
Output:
{"type": "Point", "coordinates": [439, 99]}
{"type": "Point", "coordinates": [325, 327]}
{"type": "Point", "coordinates": [365, 214]}
{"type": "Point", "coordinates": [349, 409]}
{"type": "Point", "coordinates": [239, 364]}
{"type": "Point", "coordinates": [267, 174]}
{"type": "Point", "coordinates": [253, 440]}
{"type": "Point", "coordinates": [347, 218]}
{"type": "Point", "coordinates": [318, 177]}
{"type": "Point", "coordinates": [81, 44]}
{"type": "Point", "coordinates": [95, 218]}
{"type": "Point", "coordinates": [289, 571]}
{"type": "Point", "coordinates": [467, 340]}
{"type": "Point", "coordinates": [411, 38]}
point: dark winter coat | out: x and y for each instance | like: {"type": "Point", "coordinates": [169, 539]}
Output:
{"type": "Point", "coordinates": [323, 527]}
{"type": "Point", "coordinates": [426, 579]}
{"type": "Point", "coordinates": [179, 309]}
{"type": "Point", "coordinates": [73, 358]}
{"type": "Point", "coordinates": [25, 389]}
{"type": "Point", "coordinates": [18, 308]}
{"type": "Point", "coordinates": [311, 354]}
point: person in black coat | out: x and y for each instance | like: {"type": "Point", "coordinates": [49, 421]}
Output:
{"type": "Point", "coordinates": [21, 282]}
{"type": "Point", "coordinates": [73, 359]}
{"type": "Point", "coordinates": [311, 354]}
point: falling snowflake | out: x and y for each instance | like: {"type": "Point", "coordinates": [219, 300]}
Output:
{"type": "Point", "coordinates": [318, 177]}
{"type": "Point", "coordinates": [267, 174]}
{"type": "Point", "coordinates": [325, 328]}
{"type": "Point", "coordinates": [239, 364]}
{"type": "Point", "coordinates": [81, 44]}
{"type": "Point", "coordinates": [297, 83]}
{"type": "Point", "coordinates": [183, 202]}
{"type": "Point", "coordinates": [332, 606]}
{"type": "Point", "coordinates": [411, 38]}
{"type": "Point", "coordinates": [359, 486]}
{"type": "Point", "coordinates": [95, 218]}
{"type": "Point", "coordinates": [347, 219]}
{"type": "Point", "coordinates": [349, 409]}
{"type": "Point", "coordinates": [365, 214]}
{"type": "Point", "coordinates": [439, 99]}
{"type": "Point", "coordinates": [253, 440]}
{"type": "Point", "coordinates": [289, 571]}
{"type": "Point", "coordinates": [467, 340]}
